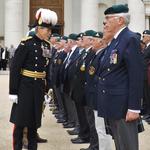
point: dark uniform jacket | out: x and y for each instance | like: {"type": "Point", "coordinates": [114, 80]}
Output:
{"type": "Point", "coordinates": [120, 82]}
{"type": "Point", "coordinates": [91, 81]}
{"type": "Point", "coordinates": [66, 77]}
{"type": "Point", "coordinates": [78, 76]}
{"type": "Point", "coordinates": [29, 55]}
{"type": "Point", "coordinates": [57, 64]}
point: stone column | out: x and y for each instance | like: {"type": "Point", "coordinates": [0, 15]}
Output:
{"type": "Point", "coordinates": [137, 21]}
{"type": "Point", "coordinates": [13, 22]}
{"type": "Point", "coordinates": [89, 15]}
{"type": "Point", "coordinates": [147, 23]}
{"type": "Point", "coordinates": [67, 17]}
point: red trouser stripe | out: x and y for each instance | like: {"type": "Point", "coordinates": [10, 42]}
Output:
{"type": "Point", "coordinates": [13, 142]}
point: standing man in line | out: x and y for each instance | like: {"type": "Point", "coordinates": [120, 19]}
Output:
{"type": "Point", "coordinates": [28, 75]}
{"type": "Point", "coordinates": [146, 54]}
{"type": "Point", "coordinates": [120, 82]}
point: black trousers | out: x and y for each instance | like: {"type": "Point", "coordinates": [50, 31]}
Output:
{"type": "Point", "coordinates": [94, 143]}
{"type": "Point", "coordinates": [84, 132]}
{"type": "Point", "coordinates": [18, 135]}
{"type": "Point", "coordinates": [125, 134]}
{"type": "Point", "coordinates": [71, 111]}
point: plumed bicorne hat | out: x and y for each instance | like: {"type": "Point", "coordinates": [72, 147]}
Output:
{"type": "Point", "coordinates": [45, 18]}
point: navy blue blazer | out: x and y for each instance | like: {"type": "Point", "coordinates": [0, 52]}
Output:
{"type": "Point", "coordinates": [91, 81]}
{"type": "Point", "coordinates": [120, 83]}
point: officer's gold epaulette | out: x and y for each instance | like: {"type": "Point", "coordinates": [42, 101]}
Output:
{"type": "Point", "coordinates": [25, 39]}
{"type": "Point", "coordinates": [48, 42]}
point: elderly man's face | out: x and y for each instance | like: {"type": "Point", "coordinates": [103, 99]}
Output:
{"type": "Point", "coordinates": [44, 33]}
{"type": "Point", "coordinates": [111, 23]}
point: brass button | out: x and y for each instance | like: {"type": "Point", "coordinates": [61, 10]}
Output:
{"type": "Point", "coordinates": [35, 65]}
{"type": "Point", "coordinates": [36, 58]}
{"type": "Point", "coordinates": [36, 51]}
{"type": "Point", "coordinates": [108, 69]}
{"type": "Point", "coordinates": [35, 78]}
{"type": "Point", "coordinates": [103, 79]}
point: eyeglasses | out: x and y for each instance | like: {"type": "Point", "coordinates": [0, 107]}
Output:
{"type": "Point", "coordinates": [111, 17]}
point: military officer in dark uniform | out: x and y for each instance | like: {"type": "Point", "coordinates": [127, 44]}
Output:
{"type": "Point", "coordinates": [120, 84]}
{"type": "Point", "coordinates": [28, 75]}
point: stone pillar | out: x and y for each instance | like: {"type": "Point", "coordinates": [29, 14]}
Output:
{"type": "Point", "coordinates": [136, 10]}
{"type": "Point", "coordinates": [89, 15]}
{"type": "Point", "coordinates": [147, 23]}
{"type": "Point", "coordinates": [13, 22]}
{"type": "Point", "coordinates": [67, 17]}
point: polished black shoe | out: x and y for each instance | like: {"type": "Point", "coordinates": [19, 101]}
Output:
{"type": "Point", "coordinates": [40, 140]}
{"type": "Point", "coordinates": [78, 140]}
{"type": "Point", "coordinates": [61, 121]}
{"type": "Point", "coordinates": [75, 131]}
{"type": "Point", "coordinates": [65, 123]}
{"type": "Point", "coordinates": [69, 125]}
{"type": "Point", "coordinates": [145, 117]}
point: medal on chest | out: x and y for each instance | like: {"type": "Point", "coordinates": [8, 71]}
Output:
{"type": "Point", "coordinates": [91, 70]}
{"type": "Point", "coordinates": [45, 50]}
{"type": "Point", "coordinates": [114, 57]}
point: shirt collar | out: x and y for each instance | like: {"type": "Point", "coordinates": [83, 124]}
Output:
{"type": "Point", "coordinates": [117, 34]}
{"type": "Point", "coordinates": [74, 47]}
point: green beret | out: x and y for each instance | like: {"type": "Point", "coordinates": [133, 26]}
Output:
{"type": "Point", "coordinates": [116, 9]}
{"type": "Point", "coordinates": [55, 35]}
{"type": "Point", "coordinates": [64, 38]}
{"type": "Point", "coordinates": [98, 35]}
{"type": "Point", "coordinates": [73, 36]}
{"type": "Point", "coordinates": [58, 39]}
{"type": "Point", "coordinates": [89, 33]}
{"type": "Point", "coordinates": [80, 35]}
{"type": "Point", "coordinates": [146, 32]}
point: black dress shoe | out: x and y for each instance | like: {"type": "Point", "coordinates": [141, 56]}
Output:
{"type": "Point", "coordinates": [69, 125]}
{"type": "Point", "coordinates": [61, 121]}
{"type": "Point", "coordinates": [65, 123]}
{"type": "Point", "coordinates": [40, 140]}
{"type": "Point", "coordinates": [145, 117]}
{"type": "Point", "coordinates": [75, 131]}
{"type": "Point", "coordinates": [78, 140]}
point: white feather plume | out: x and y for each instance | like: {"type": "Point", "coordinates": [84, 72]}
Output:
{"type": "Point", "coordinates": [54, 18]}
{"type": "Point", "coordinates": [47, 16]}
{"type": "Point", "coordinates": [38, 13]}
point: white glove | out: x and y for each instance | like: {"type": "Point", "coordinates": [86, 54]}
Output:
{"type": "Point", "coordinates": [47, 99]}
{"type": "Point", "coordinates": [13, 98]}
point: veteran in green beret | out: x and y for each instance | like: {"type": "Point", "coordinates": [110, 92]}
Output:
{"type": "Point", "coordinates": [121, 67]}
